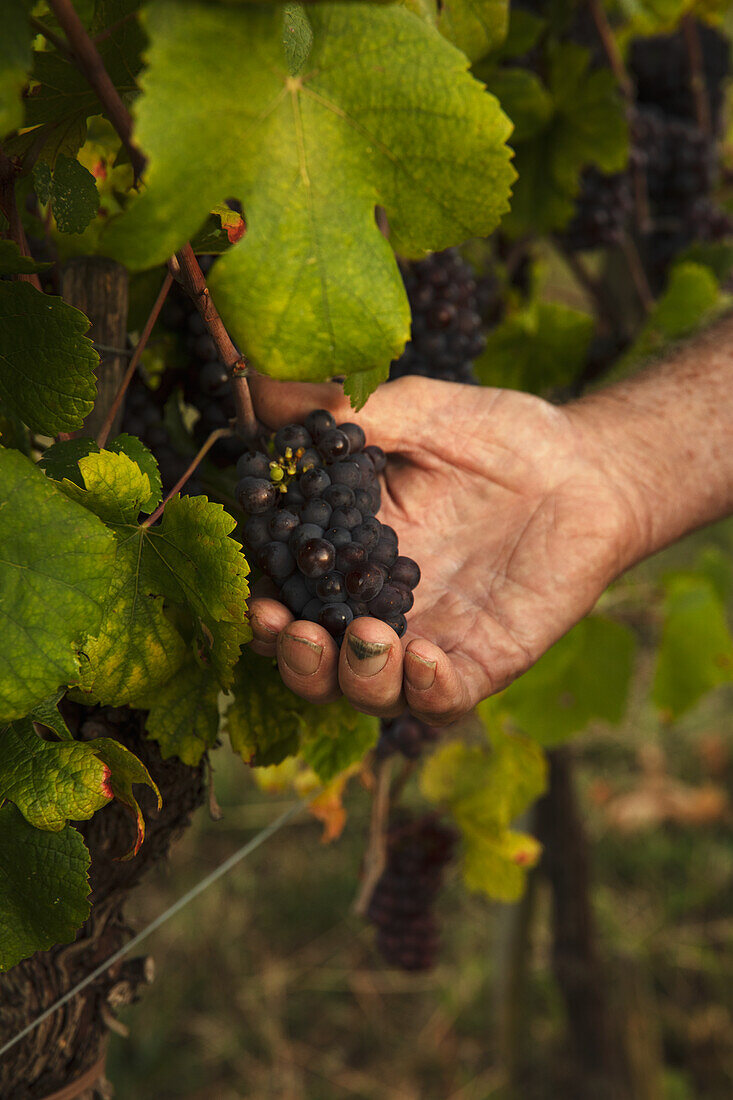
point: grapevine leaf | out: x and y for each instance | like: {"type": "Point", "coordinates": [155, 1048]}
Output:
{"type": "Point", "coordinates": [537, 348]}
{"type": "Point", "coordinates": [61, 459]}
{"type": "Point", "coordinates": [47, 363]}
{"type": "Point", "coordinates": [51, 783]}
{"type": "Point", "coordinates": [586, 675]}
{"type": "Point", "coordinates": [124, 770]}
{"type": "Point", "coordinates": [74, 195]}
{"type": "Point", "coordinates": [184, 713]}
{"type": "Point", "coordinates": [485, 790]}
{"type": "Point", "coordinates": [13, 432]}
{"type": "Point", "coordinates": [12, 262]}
{"type": "Point", "coordinates": [587, 126]}
{"type": "Point", "coordinates": [692, 294]}
{"type": "Point", "coordinates": [524, 98]}
{"type": "Point", "coordinates": [336, 736]}
{"type": "Point", "coordinates": [696, 649]}
{"type": "Point", "coordinates": [46, 713]}
{"type": "Point", "coordinates": [139, 453]}
{"type": "Point", "coordinates": [297, 37]}
{"type": "Point", "coordinates": [313, 290]}
{"type": "Point", "coordinates": [15, 61]}
{"type": "Point", "coordinates": [476, 27]}
{"type": "Point", "coordinates": [137, 648]}
{"type": "Point", "coordinates": [360, 386]}
{"type": "Point", "coordinates": [497, 864]}
{"type": "Point", "coordinates": [524, 30]}
{"type": "Point", "coordinates": [114, 487]}
{"type": "Point", "coordinates": [716, 567]}
{"type": "Point", "coordinates": [57, 561]}
{"type": "Point", "coordinates": [43, 886]}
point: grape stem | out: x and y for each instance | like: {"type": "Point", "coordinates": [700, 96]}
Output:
{"type": "Point", "coordinates": [375, 857]}
{"type": "Point", "coordinates": [89, 61]}
{"type": "Point", "coordinates": [698, 85]}
{"type": "Point", "coordinates": [611, 50]}
{"type": "Point", "coordinates": [185, 268]}
{"type": "Point", "coordinates": [190, 469]}
{"type": "Point", "coordinates": [135, 359]}
{"type": "Point", "coordinates": [592, 286]}
{"type": "Point", "coordinates": [9, 207]}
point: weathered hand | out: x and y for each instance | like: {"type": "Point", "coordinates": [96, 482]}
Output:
{"type": "Point", "coordinates": [516, 528]}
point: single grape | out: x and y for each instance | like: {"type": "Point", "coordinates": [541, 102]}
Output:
{"type": "Point", "coordinates": [378, 457]}
{"type": "Point", "coordinates": [408, 598]}
{"type": "Point", "coordinates": [389, 533]}
{"type": "Point", "coordinates": [365, 466]}
{"type": "Point", "coordinates": [253, 465]}
{"type": "Point", "coordinates": [385, 552]}
{"type": "Point", "coordinates": [347, 557]}
{"type": "Point", "coordinates": [309, 458]}
{"type": "Point", "coordinates": [276, 560]}
{"type": "Point", "coordinates": [331, 588]}
{"type": "Point", "coordinates": [295, 594]}
{"type": "Point", "coordinates": [339, 496]}
{"type": "Point", "coordinates": [256, 495]}
{"type": "Point", "coordinates": [294, 496]}
{"type": "Point", "coordinates": [387, 603]}
{"type": "Point", "coordinates": [318, 422]}
{"type": "Point", "coordinates": [359, 609]}
{"type": "Point", "coordinates": [257, 532]}
{"type": "Point", "coordinates": [316, 510]}
{"type": "Point", "coordinates": [316, 557]}
{"type": "Point", "coordinates": [213, 378]}
{"type": "Point", "coordinates": [405, 571]}
{"type": "Point", "coordinates": [333, 444]}
{"type": "Point", "coordinates": [355, 436]}
{"type": "Point", "coordinates": [302, 534]}
{"type": "Point", "coordinates": [367, 533]}
{"type": "Point", "coordinates": [312, 610]}
{"type": "Point", "coordinates": [364, 582]}
{"type": "Point", "coordinates": [398, 624]}
{"type": "Point", "coordinates": [313, 482]}
{"type": "Point", "coordinates": [346, 517]}
{"type": "Point", "coordinates": [346, 473]}
{"type": "Point", "coordinates": [293, 436]}
{"type": "Point", "coordinates": [365, 503]}
{"type": "Point", "coordinates": [337, 536]}
{"type": "Point", "coordinates": [282, 524]}
{"type": "Point", "coordinates": [335, 617]}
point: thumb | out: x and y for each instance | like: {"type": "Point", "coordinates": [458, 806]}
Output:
{"type": "Point", "coordinates": [397, 416]}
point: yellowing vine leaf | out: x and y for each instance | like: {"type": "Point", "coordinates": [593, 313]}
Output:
{"type": "Point", "coordinates": [384, 112]}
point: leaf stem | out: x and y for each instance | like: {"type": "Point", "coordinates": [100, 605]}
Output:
{"type": "Point", "coordinates": [9, 207]}
{"type": "Point", "coordinates": [186, 269]}
{"type": "Point", "coordinates": [375, 857]}
{"type": "Point", "coordinates": [135, 359]}
{"type": "Point", "coordinates": [190, 469]}
{"type": "Point", "coordinates": [637, 272]}
{"type": "Point", "coordinates": [592, 286]}
{"type": "Point", "coordinates": [611, 50]}
{"type": "Point", "coordinates": [90, 63]}
{"type": "Point", "coordinates": [698, 85]}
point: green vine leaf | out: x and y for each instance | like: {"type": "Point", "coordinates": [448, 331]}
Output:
{"type": "Point", "coordinates": [184, 713]}
{"type": "Point", "coordinates": [313, 289]}
{"type": "Point", "coordinates": [72, 190]}
{"type": "Point", "coordinates": [13, 263]}
{"type": "Point", "coordinates": [537, 348]}
{"type": "Point", "coordinates": [47, 363]}
{"type": "Point", "coordinates": [15, 61]}
{"type": "Point", "coordinates": [57, 563]}
{"type": "Point", "coordinates": [585, 676]}
{"type": "Point", "coordinates": [485, 790]}
{"type": "Point", "coordinates": [188, 562]}
{"type": "Point", "coordinates": [44, 886]}
{"type": "Point", "coordinates": [476, 27]}
{"type": "Point", "coordinates": [587, 125]}
{"type": "Point", "coordinates": [690, 300]}
{"type": "Point", "coordinates": [61, 462]}
{"type": "Point", "coordinates": [50, 783]}
{"type": "Point", "coordinates": [696, 649]}
{"type": "Point", "coordinates": [267, 723]}
{"type": "Point", "coordinates": [124, 771]}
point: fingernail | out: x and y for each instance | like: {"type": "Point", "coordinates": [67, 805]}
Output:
{"type": "Point", "coordinates": [420, 672]}
{"type": "Point", "coordinates": [366, 658]}
{"type": "Point", "coordinates": [262, 630]}
{"type": "Point", "coordinates": [300, 655]}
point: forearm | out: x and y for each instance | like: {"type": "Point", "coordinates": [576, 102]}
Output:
{"type": "Point", "coordinates": [666, 437]}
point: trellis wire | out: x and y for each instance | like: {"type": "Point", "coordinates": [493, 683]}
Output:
{"type": "Point", "coordinates": [171, 911]}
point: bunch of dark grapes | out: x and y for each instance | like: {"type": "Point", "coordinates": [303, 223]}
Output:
{"type": "Point", "coordinates": [661, 71]}
{"type": "Point", "coordinates": [678, 161]}
{"type": "Point", "coordinates": [405, 734]}
{"type": "Point", "coordinates": [143, 417]}
{"type": "Point", "coordinates": [401, 906]}
{"type": "Point", "coordinates": [447, 333]}
{"type": "Point", "coordinates": [602, 211]}
{"type": "Point", "coordinates": [207, 384]}
{"type": "Point", "coordinates": [312, 526]}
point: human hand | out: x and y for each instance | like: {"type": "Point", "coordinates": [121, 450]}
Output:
{"type": "Point", "coordinates": [516, 523]}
